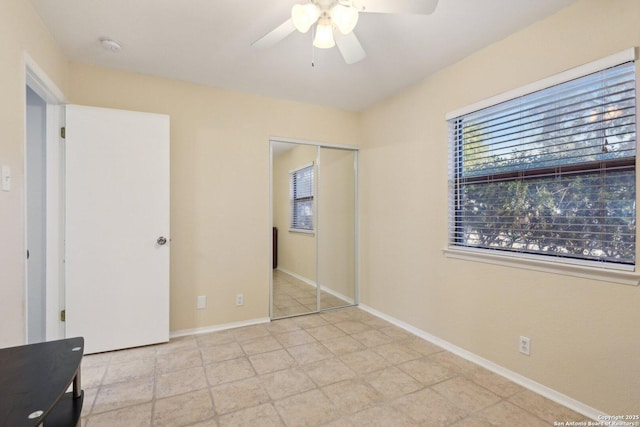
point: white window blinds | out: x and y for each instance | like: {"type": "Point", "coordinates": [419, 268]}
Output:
{"type": "Point", "coordinates": [551, 172]}
{"type": "Point", "coordinates": [301, 184]}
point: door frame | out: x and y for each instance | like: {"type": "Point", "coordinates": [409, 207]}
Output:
{"type": "Point", "coordinates": [43, 86]}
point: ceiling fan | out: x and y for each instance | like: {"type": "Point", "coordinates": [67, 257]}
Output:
{"type": "Point", "coordinates": [333, 22]}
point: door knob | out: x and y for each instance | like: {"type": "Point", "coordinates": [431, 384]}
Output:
{"type": "Point", "coordinates": [161, 240]}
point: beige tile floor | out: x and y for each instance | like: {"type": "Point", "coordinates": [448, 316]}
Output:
{"type": "Point", "coordinates": [339, 368]}
{"type": "Point", "coordinates": [292, 296]}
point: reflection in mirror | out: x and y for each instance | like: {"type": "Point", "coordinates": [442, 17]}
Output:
{"type": "Point", "coordinates": [336, 214]}
{"type": "Point", "coordinates": [313, 192]}
{"type": "Point", "coordinates": [293, 173]}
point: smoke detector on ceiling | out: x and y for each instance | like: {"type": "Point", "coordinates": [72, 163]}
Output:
{"type": "Point", "coordinates": [110, 45]}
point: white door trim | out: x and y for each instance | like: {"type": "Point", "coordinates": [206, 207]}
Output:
{"type": "Point", "coordinates": [40, 83]}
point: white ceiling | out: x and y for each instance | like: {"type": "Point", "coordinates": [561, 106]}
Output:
{"type": "Point", "coordinates": [209, 42]}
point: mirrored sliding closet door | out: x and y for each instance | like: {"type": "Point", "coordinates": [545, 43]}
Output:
{"type": "Point", "coordinates": [314, 251]}
{"type": "Point", "coordinates": [336, 214]}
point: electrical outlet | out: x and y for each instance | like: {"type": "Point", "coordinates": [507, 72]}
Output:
{"type": "Point", "coordinates": [239, 300]}
{"type": "Point", "coordinates": [525, 345]}
{"type": "Point", "coordinates": [202, 302]}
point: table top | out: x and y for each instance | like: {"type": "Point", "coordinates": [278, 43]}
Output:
{"type": "Point", "coordinates": [35, 377]}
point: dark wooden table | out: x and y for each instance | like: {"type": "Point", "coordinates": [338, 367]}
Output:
{"type": "Point", "coordinates": [34, 380]}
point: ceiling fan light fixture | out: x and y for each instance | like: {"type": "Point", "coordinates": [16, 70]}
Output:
{"type": "Point", "coordinates": [304, 16]}
{"type": "Point", "coordinates": [324, 36]}
{"type": "Point", "coordinates": [344, 17]}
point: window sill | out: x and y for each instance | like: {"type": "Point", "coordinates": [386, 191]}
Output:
{"type": "Point", "coordinates": [588, 272]}
{"type": "Point", "coordinates": [297, 231]}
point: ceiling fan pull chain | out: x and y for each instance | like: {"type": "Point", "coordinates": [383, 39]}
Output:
{"type": "Point", "coordinates": [313, 50]}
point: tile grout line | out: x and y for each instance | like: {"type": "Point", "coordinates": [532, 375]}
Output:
{"type": "Point", "coordinates": [369, 344]}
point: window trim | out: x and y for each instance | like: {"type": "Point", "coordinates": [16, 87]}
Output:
{"type": "Point", "coordinates": [584, 269]}
{"type": "Point", "coordinates": [596, 270]}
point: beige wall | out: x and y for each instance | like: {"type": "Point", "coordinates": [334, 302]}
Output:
{"type": "Point", "coordinates": [220, 229]}
{"type": "Point", "coordinates": [584, 333]}
{"type": "Point", "coordinates": [296, 251]}
{"type": "Point", "coordinates": [22, 31]}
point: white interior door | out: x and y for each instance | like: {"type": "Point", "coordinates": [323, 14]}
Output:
{"type": "Point", "coordinates": [117, 213]}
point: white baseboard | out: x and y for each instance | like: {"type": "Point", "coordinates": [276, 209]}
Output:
{"type": "Point", "coordinates": [339, 295]}
{"type": "Point", "coordinates": [312, 283]}
{"type": "Point", "coordinates": [525, 382]}
{"type": "Point", "coordinates": [299, 277]}
{"type": "Point", "coordinates": [216, 328]}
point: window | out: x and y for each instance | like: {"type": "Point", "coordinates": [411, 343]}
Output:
{"type": "Point", "coordinates": [301, 196]}
{"type": "Point", "coordinates": [551, 173]}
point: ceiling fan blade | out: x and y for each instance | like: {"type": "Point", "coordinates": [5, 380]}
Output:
{"type": "Point", "coordinates": [417, 7]}
{"type": "Point", "coordinates": [350, 47]}
{"type": "Point", "coordinates": [280, 33]}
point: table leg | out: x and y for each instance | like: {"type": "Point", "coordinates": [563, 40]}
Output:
{"type": "Point", "coordinates": [77, 388]}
